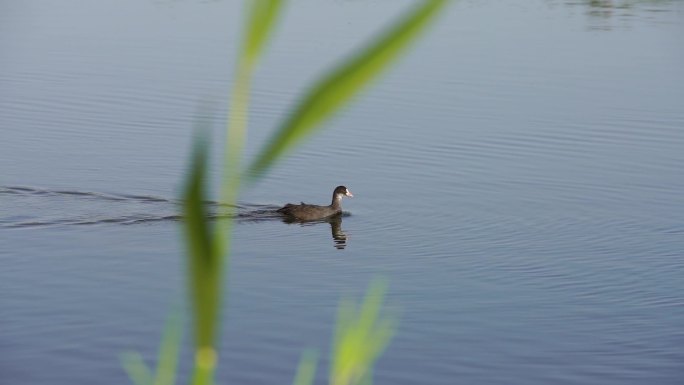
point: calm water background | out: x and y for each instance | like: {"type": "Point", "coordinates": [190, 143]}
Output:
{"type": "Point", "coordinates": [518, 178]}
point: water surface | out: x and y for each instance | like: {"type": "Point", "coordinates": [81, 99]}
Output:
{"type": "Point", "coordinates": [518, 178]}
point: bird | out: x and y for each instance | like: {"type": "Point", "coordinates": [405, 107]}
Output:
{"type": "Point", "coordinates": [307, 212]}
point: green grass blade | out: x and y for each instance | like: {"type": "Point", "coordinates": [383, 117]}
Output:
{"type": "Point", "coordinates": [208, 247]}
{"type": "Point", "coordinates": [338, 87]}
{"type": "Point", "coordinates": [167, 363]}
{"type": "Point", "coordinates": [263, 14]}
{"type": "Point", "coordinates": [135, 367]}
{"type": "Point", "coordinates": [262, 17]}
{"type": "Point", "coordinates": [361, 336]}
{"type": "Point", "coordinates": [306, 371]}
{"type": "Point", "coordinates": [370, 309]}
{"type": "Point", "coordinates": [204, 262]}
{"type": "Point", "coordinates": [205, 266]}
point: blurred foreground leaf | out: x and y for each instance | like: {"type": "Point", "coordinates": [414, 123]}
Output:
{"type": "Point", "coordinates": [306, 369]}
{"type": "Point", "coordinates": [136, 368]}
{"type": "Point", "coordinates": [361, 336]}
{"type": "Point", "coordinates": [263, 15]}
{"type": "Point", "coordinates": [167, 359]}
{"type": "Point", "coordinates": [337, 88]}
{"type": "Point", "coordinates": [205, 266]}
{"type": "Point", "coordinates": [204, 262]}
{"type": "Point", "coordinates": [208, 248]}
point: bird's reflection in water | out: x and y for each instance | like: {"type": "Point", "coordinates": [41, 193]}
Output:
{"type": "Point", "coordinates": [339, 236]}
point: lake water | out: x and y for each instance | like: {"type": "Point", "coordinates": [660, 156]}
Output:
{"type": "Point", "coordinates": [518, 178]}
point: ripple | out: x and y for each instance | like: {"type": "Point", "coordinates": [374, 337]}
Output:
{"type": "Point", "coordinates": [88, 208]}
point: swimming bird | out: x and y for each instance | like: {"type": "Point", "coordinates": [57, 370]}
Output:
{"type": "Point", "coordinates": [307, 212]}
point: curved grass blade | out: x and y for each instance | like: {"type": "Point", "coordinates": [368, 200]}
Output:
{"type": "Point", "coordinates": [306, 371]}
{"type": "Point", "coordinates": [136, 368]}
{"type": "Point", "coordinates": [343, 83]}
{"type": "Point", "coordinates": [167, 361]}
{"type": "Point", "coordinates": [208, 247]}
{"type": "Point", "coordinates": [204, 263]}
{"type": "Point", "coordinates": [361, 336]}
{"type": "Point", "coordinates": [262, 18]}
{"type": "Point", "coordinates": [205, 266]}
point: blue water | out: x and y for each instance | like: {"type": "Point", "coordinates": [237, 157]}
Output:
{"type": "Point", "coordinates": [517, 178]}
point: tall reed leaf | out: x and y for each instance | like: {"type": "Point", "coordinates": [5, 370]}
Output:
{"type": "Point", "coordinates": [339, 86]}
{"type": "Point", "coordinates": [208, 249]}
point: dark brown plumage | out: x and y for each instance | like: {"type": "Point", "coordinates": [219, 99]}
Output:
{"type": "Point", "coordinates": [306, 212]}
